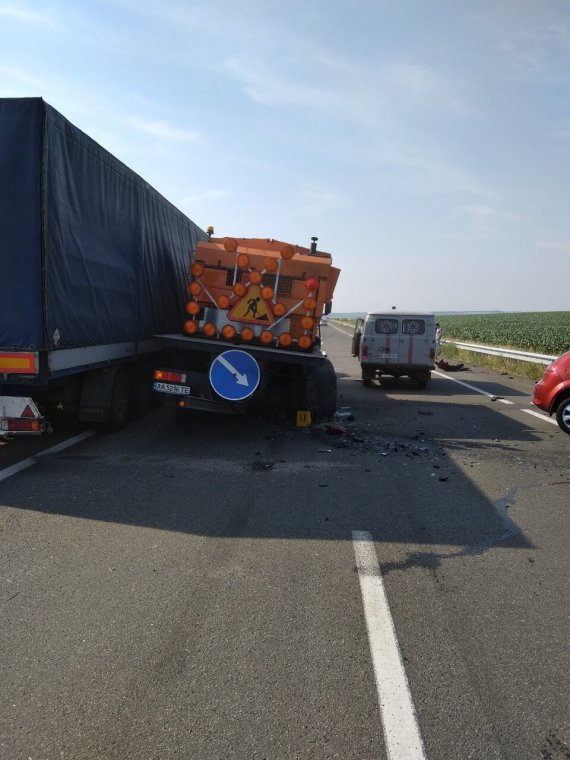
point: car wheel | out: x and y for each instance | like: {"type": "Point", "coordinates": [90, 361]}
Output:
{"type": "Point", "coordinates": [563, 415]}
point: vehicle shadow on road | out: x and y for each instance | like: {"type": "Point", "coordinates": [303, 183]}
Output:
{"type": "Point", "coordinates": [390, 471]}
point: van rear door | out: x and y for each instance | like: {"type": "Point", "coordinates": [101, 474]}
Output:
{"type": "Point", "coordinates": [414, 342]}
{"type": "Point", "coordinates": [383, 340]}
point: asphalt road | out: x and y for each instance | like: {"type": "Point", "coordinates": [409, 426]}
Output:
{"type": "Point", "coordinates": [194, 590]}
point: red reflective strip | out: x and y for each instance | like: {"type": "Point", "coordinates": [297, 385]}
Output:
{"type": "Point", "coordinates": [23, 426]}
{"type": "Point", "coordinates": [18, 363]}
{"type": "Point", "coordinates": [410, 349]}
{"type": "Point", "coordinates": [387, 359]}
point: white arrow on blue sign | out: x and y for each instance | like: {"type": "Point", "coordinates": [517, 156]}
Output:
{"type": "Point", "coordinates": [234, 375]}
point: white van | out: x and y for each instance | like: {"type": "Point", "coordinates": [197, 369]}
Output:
{"type": "Point", "coordinates": [395, 343]}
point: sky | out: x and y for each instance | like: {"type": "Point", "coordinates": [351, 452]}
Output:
{"type": "Point", "coordinates": [426, 144]}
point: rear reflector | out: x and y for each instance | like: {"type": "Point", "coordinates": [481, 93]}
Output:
{"type": "Point", "coordinates": [21, 426]}
{"type": "Point", "coordinates": [18, 363]}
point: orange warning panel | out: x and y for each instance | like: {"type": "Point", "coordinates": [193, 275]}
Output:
{"type": "Point", "coordinates": [18, 363]}
{"type": "Point", "coordinates": [252, 308]}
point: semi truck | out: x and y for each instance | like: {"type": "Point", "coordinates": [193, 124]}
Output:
{"type": "Point", "coordinates": [108, 292]}
{"type": "Point", "coordinates": [251, 334]}
{"type": "Point", "coordinates": [93, 264]}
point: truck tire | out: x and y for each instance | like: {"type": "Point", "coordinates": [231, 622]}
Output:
{"type": "Point", "coordinates": [140, 391]}
{"type": "Point", "coordinates": [563, 415]}
{"type": "Point", "coordinates": [119, 407]}
{"type": "Point", "coordinates": [320, 393]}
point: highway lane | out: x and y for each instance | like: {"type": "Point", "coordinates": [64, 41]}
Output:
{"type": "Point", "coordinates": [192, 590]}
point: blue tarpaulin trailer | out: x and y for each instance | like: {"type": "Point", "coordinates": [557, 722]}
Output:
{"type": "Point", "coordinates": [93, 265]}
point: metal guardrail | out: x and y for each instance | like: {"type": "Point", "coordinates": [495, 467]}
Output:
{"type": "Point", "coordinates": [509, 353]}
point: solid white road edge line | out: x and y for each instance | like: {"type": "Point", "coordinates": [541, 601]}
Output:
{"type": "Point", "coordinates": [472, 387]}
{"type": "Point", "coordinates": [25, 463]}
{"type": "Point", "coordinates": [401, 730]}
{"type": "Point", "coordinates": [540, 416]}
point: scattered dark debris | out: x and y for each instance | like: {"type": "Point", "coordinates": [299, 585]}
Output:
{"type": "Point", "coordinates": [443, 477]}
{"type": "Point", "coordinates": [336, 429]}
{"type": "Point", "coordinates": [323, 485]}
{"type": "Point", "coordinates": [260, 466]}
{"type": "Point", "coordinates": [422, 411]}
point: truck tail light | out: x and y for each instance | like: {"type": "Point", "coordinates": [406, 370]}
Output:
{"type": "Point", "coordinates": [167, 376]}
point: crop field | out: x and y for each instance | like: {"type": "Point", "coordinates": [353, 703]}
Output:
{"type": "Point", "coordinates": [545, 332]}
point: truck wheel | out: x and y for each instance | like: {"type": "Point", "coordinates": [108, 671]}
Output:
{"type": "Point", "coordinates": [320, 394]}
{"type": "Point", "coordinates": [367, 377]}
{"type": "Point", "coordinates": [140, 392]}
{"type": "Point", "coordinates": [563, 415]}
{"type": "Point", "coordinates": [119, 409]}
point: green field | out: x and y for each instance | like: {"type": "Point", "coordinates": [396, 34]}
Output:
{"type": "Point", "coordinates": [545, 332]}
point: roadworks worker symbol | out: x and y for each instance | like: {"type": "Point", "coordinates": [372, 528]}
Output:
{"type": "Point", "coordinates": [252, 308]}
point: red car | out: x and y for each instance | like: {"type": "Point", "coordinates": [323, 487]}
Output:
{"type": "Point", "coordinates": [552, 393]}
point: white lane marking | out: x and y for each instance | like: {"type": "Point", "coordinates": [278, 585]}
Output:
{"type": "Point", "coordinates": [473, 387]}
{"type": "Point", "coordinates": [540, 416]}
{"type": "Point", "coordinates": [25, 463]}
{"type": "Point", "coordinates": [401, 730]}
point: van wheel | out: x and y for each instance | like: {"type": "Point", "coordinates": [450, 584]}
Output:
{"type": "Point", "coordinates": [422, 379]}
{"type": "Point", "coordinates": [563, 415]}
{"type": "Point", "coordinates": [367, 377]}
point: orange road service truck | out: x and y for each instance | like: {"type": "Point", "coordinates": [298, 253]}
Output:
{"type": "Point", "coordinates": [251, 333]}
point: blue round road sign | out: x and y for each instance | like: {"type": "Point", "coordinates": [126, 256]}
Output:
{"type": "Point", "coordinates": [234, 375]}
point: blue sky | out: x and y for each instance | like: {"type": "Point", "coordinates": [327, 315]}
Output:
{"type": "Point", "coordinates": [426, 143]}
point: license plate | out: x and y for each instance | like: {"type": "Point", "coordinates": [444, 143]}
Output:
{"type": "Point", "coordinates": [178, 390]}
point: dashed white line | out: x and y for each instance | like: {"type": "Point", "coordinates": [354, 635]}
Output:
{"type": "Point", "coordinates": [401, 730]}
{"type": "Point", "coordinates": [473, 388]}
{"type": "Point", "coordinates": [7, 472]}
{"type": "Point", "coordinates": [540, 416]}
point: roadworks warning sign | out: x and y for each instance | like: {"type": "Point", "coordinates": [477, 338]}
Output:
{"type": "Point", "coordinates": [252, 308]}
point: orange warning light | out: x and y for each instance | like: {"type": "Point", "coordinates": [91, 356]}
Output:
{"type": "Point", "coordinates": [279, 309]}
{"type": "Point", "coordinates": [307, 323]}
{"type": "Point", "coordinates": [304, 341]}
{"type": "Point", "coordinates": [243, 260]}
{"type": "Point", "coordinates": [209, 329]}
{"type": "Point", "coordinates": [228, 332]}
{"type": "Point", "coordinates": [192, 307]}
{"type": "Point", "coordinates": [255, 277]}
{"type": "Point", "coordinates": [230, 245]}
{"type": "Point", "coordinates": [239, 289]}
{"type": "Point", "coordinates": [312, 283]}
{"type": "Point", "coordinates": [266, 337]}
{"type": "Point", "coordinates": [267, 293]}
{"type": "Point", "coordinates": [270, 265]}
{"type": "Point", "coordinates": [190, 327]}
{"type": "Point", "coordinates": [285, 340]}
{"type": "Point", "coordinates": [287, 252]}
{"type": "Point", "coordinates": [194, 288]}
{"type": "Point", "coordinates": [197, 269]}
{"type": "Point", "coordinates": [223, 302]}
{"type": "Point", "coordinates": [247, 333]}
{"type": "Point", "coordinates": [309, 304]}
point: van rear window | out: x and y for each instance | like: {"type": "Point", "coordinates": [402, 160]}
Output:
{"type": "Point", "coordinates": [413, 326]}
{"type": "Point", "coordinates": [386, 326]}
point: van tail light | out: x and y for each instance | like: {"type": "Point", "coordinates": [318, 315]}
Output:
{"type": "Point", "coordinates": [364, 351]}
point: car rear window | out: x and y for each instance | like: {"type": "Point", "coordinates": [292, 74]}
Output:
{"type": "Point", "coordinates": [413, 326]}
{"type": "Point", "coordinates": [386, 326]}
